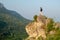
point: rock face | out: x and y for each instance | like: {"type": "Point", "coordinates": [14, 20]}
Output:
{"type": "Point", "coordinates": [36, 29]}
{"type": "Point", "coordinates": [57, 25]}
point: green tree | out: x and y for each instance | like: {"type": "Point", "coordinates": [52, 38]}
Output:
{"type": "Point", "coordinates": [35, 18]}
{"type": "Point", "coordinates": [50, 25]}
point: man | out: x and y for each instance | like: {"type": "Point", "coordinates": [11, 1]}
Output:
{"type": "Point", "coordinates": [41, 9]}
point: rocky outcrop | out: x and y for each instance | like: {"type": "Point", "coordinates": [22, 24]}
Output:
{"type": "Point", "coordinates": [57, 25]}
{"type": "Point", "coordinates": [41, 27]}
{"type": "Point", "coordinates": [37, 28]}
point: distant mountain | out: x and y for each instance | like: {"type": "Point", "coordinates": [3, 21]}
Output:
{"type": "Point", "coordinates": [10, 12]}
{"type": "Point", "coordinates": [12, 25]}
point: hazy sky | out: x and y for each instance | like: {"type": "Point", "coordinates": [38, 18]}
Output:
{"type": "Point", "coordinates": [28, 8]}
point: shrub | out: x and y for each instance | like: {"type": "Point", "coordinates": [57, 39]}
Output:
{"type": "Point", "coordinates": [35, 18]}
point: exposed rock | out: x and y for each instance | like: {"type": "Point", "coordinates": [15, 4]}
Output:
{"type": "Point", "coordinates": [52, 32]}
{"type": "Point", "coordinates": [41, 18]}
{"type": "Point", "coordinates": [57, 25]}
{"type": "Point", "coordinates": [36, 29]}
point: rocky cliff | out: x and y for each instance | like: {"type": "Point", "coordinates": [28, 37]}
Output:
{"type": "Point", "coordinates": [41, 28]}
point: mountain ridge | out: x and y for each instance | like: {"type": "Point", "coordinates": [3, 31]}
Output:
{"type": "Point", "coordinates": [12, 24]}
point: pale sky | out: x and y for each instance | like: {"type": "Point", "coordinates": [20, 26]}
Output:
{"type": "Point", "coordinates": [29, 8]}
